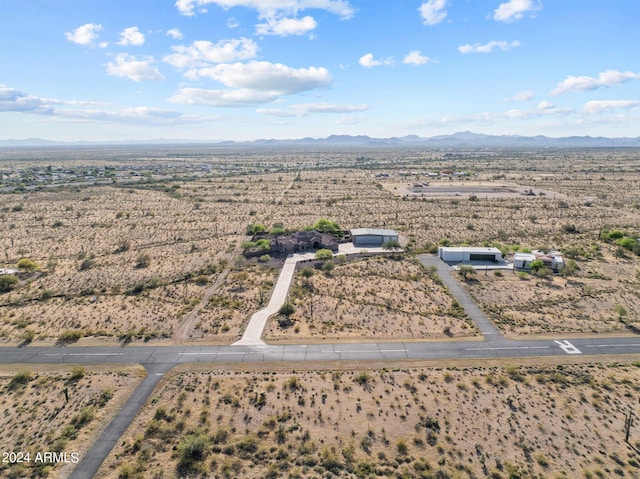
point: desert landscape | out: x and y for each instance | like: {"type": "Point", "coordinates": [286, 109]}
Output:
{"type": "Point", "coordinates": [164, 247]}
{"type": "Point", "coordinates": [145, 248]}
{"type": "Point", "coordinates": [528, 421]}
{"type": "Point", "coordinates": [58, 409]}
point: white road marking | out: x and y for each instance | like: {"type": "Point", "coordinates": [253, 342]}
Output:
{"type": "Point", "coordinates": [510, 347]}
{"type": "Point", "coordinates": [83, 354]}
{"type": "Point", "coordinates": [198, 354]}
{"type": "Point", "coordinates": [610, 345]}
{"type": "Point", "coordinates": [567, 347]}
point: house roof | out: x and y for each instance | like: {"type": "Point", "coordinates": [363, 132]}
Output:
{"type": "Point", "coordinates": [524, 256]}
{"type": "Point", "coordinates": [372, 232]}
{"type": "Point", "coordinates": [471, 249]}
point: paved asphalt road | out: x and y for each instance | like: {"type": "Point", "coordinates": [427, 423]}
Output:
{"type": "Point", "coordinates": [159, 359]}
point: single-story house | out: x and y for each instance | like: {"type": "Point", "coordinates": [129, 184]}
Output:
{"type": "Point", "coordinates": [467, 253]}
{"type": "Point", "coordinates": [552, 260]}
{"type": "Point", "coordinates": [305, 241]}
{"type": "Point", "coordinates": [370, 237]}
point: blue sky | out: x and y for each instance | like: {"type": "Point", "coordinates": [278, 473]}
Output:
{"type": "Point", "coordinates": [247, 69]}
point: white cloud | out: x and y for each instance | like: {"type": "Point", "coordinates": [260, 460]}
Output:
{"type": "Point", "coordinates": [599, 106]}
{"type": "Point", "coordinates": [286, 26]}
{"type": "Point", "coordinates": [583, 83]}
{"type": "Point", "coordinates": [368, 61]}
{"type": "Point", "coordinates": [268, 8]}
{"type": "Point", "coordinates": [488, 47]}
{"type": "Point", "coordinates": [415, 57]}
{"type": "Point", "coordinates": [525, 95]}
{"type": "Point", "coordinates": [84, 34]}
{"type": "Point", "coordinates": [203, 52]}
{"type": "Point", "coordinates": [128, 66]}
{"type": "Point", "coordinates": [514, 10]}
{"type": "Point", "coordinates": [433, 11]}
{"type": "Point", "coordinates": [545, 105]}
{"type": "Point", "coordinates": [306, 108]}
{"type": "Point", "coordinates": [175, 33]}
{"type": "Point", "coordinates": [266, 76]}
{"type": "Point", "coordinates": [252, 83]}
{"type": "Point", "coordinates": [14, 100]}
{"type": "Point", "coordinates": [223, 98]}
{"type": "Point", "coordinates": [131, 36]}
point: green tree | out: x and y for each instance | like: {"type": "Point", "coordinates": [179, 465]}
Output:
{"type": "Point", "coordinates": [326, 226]}
{"type": "Point", "coordinates": [256, 228]}
{"type": "Point", "coordinates": [466, 270]}
{"type": "Point", "coordinates": [391, 245]}
{"type": "Point", "coordinates": [191, 452]}
{"type": "Point", "coordinates": [7, 282]}
{"type": "Point", "coordinates": [28, 265]}
{"type": "Point", "coordinates": [287, 309]}
{"type": "Point", "coordinates": [324, 254]}
{"type": "Point", "coordinates": [536, 265]}
{"type": "Point", "coordinates": [569, 269]}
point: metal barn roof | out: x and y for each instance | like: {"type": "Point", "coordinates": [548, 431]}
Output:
{"type": "Point", "coordinates": [372, 232]}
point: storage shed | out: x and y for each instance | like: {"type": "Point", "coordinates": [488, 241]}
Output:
{"type": "Point", "coordinates": [369, 237]}
{"type": "Point", "coordinates": [466, 254]}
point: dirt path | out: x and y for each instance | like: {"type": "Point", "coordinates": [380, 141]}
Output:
{"type": "Point", "coordinates": [183, 330]}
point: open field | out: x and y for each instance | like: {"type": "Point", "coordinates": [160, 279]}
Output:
{"type": "Point", "coordinates": [131, 261]}
{"type": "Point", "coordinates": [38, 418]}
{"type": "Point", "coordinates": [603, 296]}
{"type": "Point", "coordinates": [373, 298]}
{"type": "Point", "coordinates": [470, 422]}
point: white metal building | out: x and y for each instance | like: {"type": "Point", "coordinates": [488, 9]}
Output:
{"type": "Point", "coordinates": [552, 260]}
{"type": "Point", "coordinates": [369, 237]}
{"type": "Point", "coordinates": [466, 254]}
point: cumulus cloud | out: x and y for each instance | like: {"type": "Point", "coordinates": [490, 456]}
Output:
{"type": "Point", "coordinates": [368, 61]}
{"type": "Point", "coordinates": [525, 95]}
{"type": "Point", "coordinates": [223, 98]}
{"type": "Point", "coordinates": [175, 33]}
{"type": "Point", "coordinates": [204, 52]}
{"type": "Point", "coordinates": [252, 83]}
{"type": "Point", "coordinates": [129, 66]}
{"type": "Point", "coordinates": [514, 10]}
{"type": "Point", "coordinates": [268, 8]}
{"type": "Point", "coordinates": [433, 11]}
{"type": "Point", "coordinates": [12, 99]}
{"type": "Point", "coordinates": [583, 83]}
{"type": "Point", "coordinates": [286, 26]}
{"type": "Point", "coordinates": [545, 105]}
{"type": "Point", "coordinates": [267, 76]}
{"type": "Point", "coordinates": [306, 108]}
{"type": "Point", "coordinates": [131, 36]}
{"type": "Point", "coordinates": [84, 34]}
{"type": "Point", "coordinates": [599, 106]}
{"type": "Point", "coordinates": [488, 47]}
{"type": "Point", "coordinates": [415, 57]}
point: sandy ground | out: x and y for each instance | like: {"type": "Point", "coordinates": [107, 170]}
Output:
{"type": "Point", "coordinates": [590, 301]}
{"type": "Point", "coordinates": [372, 298]}
{"type": "Point", "coordinates": [469, 422]}
{"type": "Point", "coordinates": [37, 418]}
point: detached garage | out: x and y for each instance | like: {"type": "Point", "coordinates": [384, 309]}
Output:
{"type": "Point", "coordinates": [367, 237]}
{"type": "Point", "coordinates": [461, 255]}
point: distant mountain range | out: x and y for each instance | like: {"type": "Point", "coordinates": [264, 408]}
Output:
{"type": "Point", "coordinates": [459, 140]}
